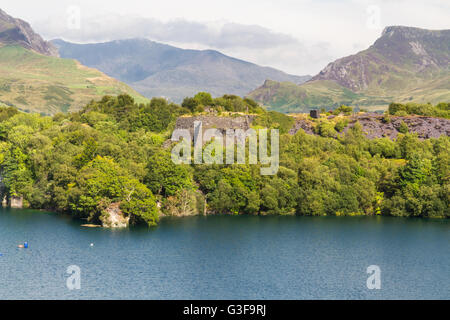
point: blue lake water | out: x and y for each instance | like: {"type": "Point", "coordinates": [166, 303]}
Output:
{"type": "Point", "coordinates": [224, 257]}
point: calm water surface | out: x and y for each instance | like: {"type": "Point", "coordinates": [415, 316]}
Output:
{"type": "Point", "coordinates": [224, 257]}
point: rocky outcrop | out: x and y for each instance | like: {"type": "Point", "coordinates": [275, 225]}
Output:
{"type": "Point", "coordinates": [304, 125]}
{"type": "Point", "coordinates": [375, 126]}
{"type": "Point", "coordinates": [113, 217]}
{"type": "Point", "coordinates": [425, 127]}
{"type": "Point", "coordinates": [18, 32]}
{"type": "Point", "coordinates": [16, 202]}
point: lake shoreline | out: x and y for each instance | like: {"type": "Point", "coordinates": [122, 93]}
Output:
{"type": "Point", "coordinates": [86, 224]}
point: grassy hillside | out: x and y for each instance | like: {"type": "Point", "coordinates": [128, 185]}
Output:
{"type": "Point", "coordinates": [36, 83]}
{"type": "Point", "coordinates": [291, 98]}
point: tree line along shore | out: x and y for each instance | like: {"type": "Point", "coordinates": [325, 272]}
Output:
{"type": "Point", "coordinates": [109, 164]}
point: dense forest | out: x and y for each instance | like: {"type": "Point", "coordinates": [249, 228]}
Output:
{"type": "Point", "coordinates": [114, 151]}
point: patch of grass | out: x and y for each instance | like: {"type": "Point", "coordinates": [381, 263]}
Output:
{"type": "Point", "coordinates": [5, 87]}
{"type": "Point", "coordinates": [58, 93]}
{"type": "Point", "coordinates": [21, 100]}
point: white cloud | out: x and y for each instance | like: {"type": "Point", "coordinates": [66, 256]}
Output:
{"type": "Point", "coordinates": [250, 42]}
{"type": "Point", "coordinates": [297, 36]}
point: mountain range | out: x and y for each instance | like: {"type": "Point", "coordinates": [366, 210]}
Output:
{"type": "Point", "coordinates": [404, 64]}
{"type": "Point", "coordinates": [156, 69]}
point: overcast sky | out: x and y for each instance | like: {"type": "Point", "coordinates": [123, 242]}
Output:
{"type": "Point", "coordinates": [296, 36]}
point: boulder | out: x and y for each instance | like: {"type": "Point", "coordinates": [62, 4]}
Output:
{"type": "Point", "coordinates": [113, 217]}
{"type": "Point", "coordinates": [16, 202]}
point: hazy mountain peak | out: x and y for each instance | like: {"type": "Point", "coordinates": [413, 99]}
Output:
{"type": "Point", "coordinates": [18, 32]}
{"type": "Point", "coordinates": [411, 32]}
{"type": "Point", "coordinates": [157, 69]}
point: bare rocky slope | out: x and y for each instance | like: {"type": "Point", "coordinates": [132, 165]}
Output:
{"type": "Point", "coordinates": [374, 126]}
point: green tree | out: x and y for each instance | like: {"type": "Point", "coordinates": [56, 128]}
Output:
{"type": "Point", "coordinates": [103, 182]}
{"type": "Point", "coordinates": [403, 128]}
{"type": "Point", "coordinates": [166, 178]}
{"type": "Point", "coordinates": [203, 98]}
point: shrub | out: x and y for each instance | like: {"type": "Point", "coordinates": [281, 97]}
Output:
{"type": "Point", "coordinates": [403, 128]}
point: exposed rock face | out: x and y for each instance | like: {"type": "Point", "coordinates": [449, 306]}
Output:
{"type": "Point", "coordinates": [374, 127]}
{"type": "Point", "coordinates": [16, 202]}
{"type": "Point", "coordinates": [215, 122]}
{"type": "Point", "coordinates": [113, 217]}
{"type": "Point", "coordinates": [305, 125]}
{"type": "Point", "coordinates": [425, 127]}
{"type": "Point", "coordinates": [18, 32]}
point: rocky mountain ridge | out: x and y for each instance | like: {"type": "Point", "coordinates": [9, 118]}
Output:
{"type": "Point", "coordinates": [18, 32]}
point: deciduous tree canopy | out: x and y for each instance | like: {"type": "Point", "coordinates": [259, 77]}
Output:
{"type": "Point", "coordinates": [113, 151]}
